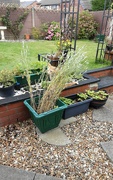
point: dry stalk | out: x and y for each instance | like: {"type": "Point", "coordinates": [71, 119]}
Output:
{"type": "Point", "coordinates": [24, 62]}
{"type": "Point", "coordinates": [74, 65]}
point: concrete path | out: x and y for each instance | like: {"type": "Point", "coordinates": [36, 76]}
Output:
{"type": "Point", "coordinates": [8, 173]}
{"type": "Point", "coordinates": [56, 136]}
{"type": "Point", "coordinates": [105, 114]}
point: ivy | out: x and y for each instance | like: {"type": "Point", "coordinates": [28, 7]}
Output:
{"type": "Point", "coordinates": [16, 26]}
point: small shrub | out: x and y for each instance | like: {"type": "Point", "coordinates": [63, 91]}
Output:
{"type": "Point", "coordinates": [43, 30]}
{"type": "Point", "coordinates": [98, 5]}
{"type": "Point", "coordinates": [87, 26]}
{"type": "Point", "coordinates": [50, 31]}
{"type": "Point", "coordinates": [36, 33]}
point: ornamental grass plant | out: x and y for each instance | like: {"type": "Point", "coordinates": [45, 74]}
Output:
{"type": "Point", "coordinates": [75, 63]}
{"type": "Point", "coordinates": [73, 67]}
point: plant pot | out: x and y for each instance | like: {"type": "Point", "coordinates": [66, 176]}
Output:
{"type": "Point", "coordinates": [23, 81]}
{"type": "Point", "coordinates": [27, 36]}
{"type": "Point", "coordinates": [77, 108]}
{"type": "Point", "coordinates": [54, 60]}
{"type": "Point", "coordinates": [47, 120]}
{"type": "Point", "coordinates": [97, 103]}
{"type": "Point", "coordinates": [109, 47]}
{"type": "Point", "coordinates": [7, 91]}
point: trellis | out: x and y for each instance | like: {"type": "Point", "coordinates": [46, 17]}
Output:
{"type": "Point", "coordinates": [69, 13]}
{"type": "Point", "coordinates": [106, 30]}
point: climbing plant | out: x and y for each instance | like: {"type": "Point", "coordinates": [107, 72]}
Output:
{"type": "Point", "coordinates": [14, 26]}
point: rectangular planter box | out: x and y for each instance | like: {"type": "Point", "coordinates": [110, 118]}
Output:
{"type": "Point", "coordinates": [47, 120]}
{"type": "Point", "coordinates": [23, 82]}
{"type": "Point", "coordinates": [77, 108]}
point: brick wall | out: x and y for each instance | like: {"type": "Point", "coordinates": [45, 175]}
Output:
{"type": "Point", "coordinates": [12, 113]}
{"type": "Point", "coordinates": [40, 16]}
{"type": "Point", "coordinates": [103, 73]}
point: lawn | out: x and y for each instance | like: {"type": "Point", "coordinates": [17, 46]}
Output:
{"type": "Point", "coordinates": [10, 52]}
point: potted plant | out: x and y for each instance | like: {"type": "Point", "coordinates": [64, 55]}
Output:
{"type": "Point", "coordinates": [6, 83]}
{"type": "Point", "coordinates": [62, 49]}
{"type": "Point", "coordinates": [77, 104]}
{"type": "Point", "coordinates": [99, 98]}
{"type": "Point", "coordinates": [43, 109]}
{"type": "Point", "coordinates": [35, 70]}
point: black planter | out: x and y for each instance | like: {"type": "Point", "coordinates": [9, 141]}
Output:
{"type": "Point", "coordinates": [7, 91]}
{"type": "Point", "coordinates": [54, 62]}
{"type": "Point", "coordinates": [109, 47]}
{"type": "Point", "coordinates": [97, 103]}
{"type": "Point", "coordinates": [77, 108]}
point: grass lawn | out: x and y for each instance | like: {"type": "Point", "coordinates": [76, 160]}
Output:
{"type": "Point", "coordinates": [10, 52]}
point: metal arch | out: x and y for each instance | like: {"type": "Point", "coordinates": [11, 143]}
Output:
{"type": "Point", "coordinates": [100, 53]}
{"type": "Point", "coordinates": [69, 12]}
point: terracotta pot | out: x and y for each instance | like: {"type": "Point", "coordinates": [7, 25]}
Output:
{"type": "Point", "coordinates": [27, 36]}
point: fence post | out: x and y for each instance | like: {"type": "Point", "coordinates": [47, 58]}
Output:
{"type": "Point", "coordinates": [33, 17]}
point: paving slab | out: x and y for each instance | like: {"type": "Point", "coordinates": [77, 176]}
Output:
{"type": "Point", "coordinates": [9, 173]}
{"type": "Point", "coordinates": [67, 121]}
{"type": "Point", "coordinates": [44, 177]}
{"type": "Point", "coordinates": [108, 148]}
{"type": "Point", "coordinates": [105, 113]}
{"type": "Point", "coordinates": [55, 137]}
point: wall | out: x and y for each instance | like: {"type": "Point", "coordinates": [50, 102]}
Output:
{"type": "Point", "coordinates": [13, 112]}
{"type": "Point", "coordinates": [40, 16]}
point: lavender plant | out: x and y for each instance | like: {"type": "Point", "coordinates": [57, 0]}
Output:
{"type": "Point", "coordinates": [73, 66]}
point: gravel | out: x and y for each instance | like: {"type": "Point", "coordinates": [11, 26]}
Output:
{"type": "Point", "coordinates": [83, 159]}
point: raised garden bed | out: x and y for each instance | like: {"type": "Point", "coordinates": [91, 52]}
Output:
{"type": "Point", "coordinates": [12, 107]}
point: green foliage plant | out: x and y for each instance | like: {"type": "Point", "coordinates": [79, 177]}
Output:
{"type": "Point", "coordinates": [32, 66]}
{"type": "Point", "coordinates": [67, 101]}
{"type": "Point", "coordinates": [36, 33]}
{"type": "Point", "coordinates": [87, 26]}
{"type": "Point", "coordinates": [79, 97]}
{"type": "Point", "coordinates": [6, 77]}
{"type": "Point", "coordinates": [97, 95]}
{"type": "Point", "coordinates": [98, 5]}
{"type": "Point", "coordinates": [82, 96]}
{"type": "Point", "coordinates": [16, 26]}
{"type": "Point", "coordinates": [43, 30]}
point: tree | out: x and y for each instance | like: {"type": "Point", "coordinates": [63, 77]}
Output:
{"type": "Point", "coordinates": [98, 5]}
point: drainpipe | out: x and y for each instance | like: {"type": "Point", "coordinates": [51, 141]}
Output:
{"type": "Point", "coordinates": [33, 17]}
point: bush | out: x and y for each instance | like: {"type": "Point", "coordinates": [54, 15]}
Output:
{"type": "Point", "coordinates": [50, 31]}
{"type": "Point", "coordinates": [87, 26]}
{"type": "Point", "coordinates": [98, 5]}
{"type": "Point", "coordinates": [36, 33]}
{"type": "Point", "coordinates": [43, 30]}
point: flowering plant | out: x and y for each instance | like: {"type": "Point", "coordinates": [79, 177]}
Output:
{"type": "Point", "coordinates": [63, 45]}
{"type": "Point", "coordinates": [53, 31]}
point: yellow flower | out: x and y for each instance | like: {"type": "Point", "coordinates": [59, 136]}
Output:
{"type": "Point", "coordinates": [64, 44]}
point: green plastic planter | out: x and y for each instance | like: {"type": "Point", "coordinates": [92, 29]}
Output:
{"type": "Point", "coordinates": [47, 120]}
{"type": "Point", "coordinates": [23, 82]}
